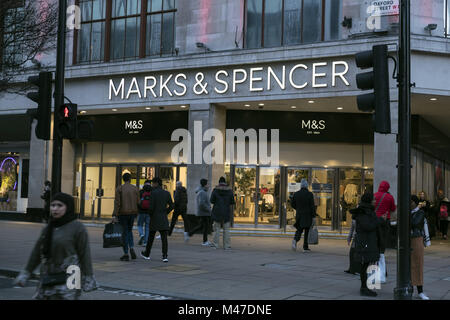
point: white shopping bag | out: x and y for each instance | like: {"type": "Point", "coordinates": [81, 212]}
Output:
{"type": "Point", "coordinates": [382, 268]}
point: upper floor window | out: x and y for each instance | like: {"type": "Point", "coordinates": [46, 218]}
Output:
{"type": "Point", "coordinates": [272, 23]}
{"type": "Point", "coordinates": [13, 36]}
{"type": "Point", "coordinates": [124, 29]}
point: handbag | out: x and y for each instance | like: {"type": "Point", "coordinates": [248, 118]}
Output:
{"type": "Point", "coordinates": [112, 235]}
{"type": "Point", "coordinates": [54, 279]}
{"type": "Point", "coordinates": [313, 236]}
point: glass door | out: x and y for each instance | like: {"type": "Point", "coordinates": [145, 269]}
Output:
{"type": "Point", "coordinates": [107, 191]}
{"type": "Point", "coordinates": [269, 195]}
{"type": "Point", "coordinates": [294, 176]}
{"type": "Point", "coordinates": [146, 173]}
{"type": "Point", "coordinates": [245, 193]}
{"type": "Point", "coordinates": [91, 184]}
{"type": "Point", "coordinates": [322, 187]}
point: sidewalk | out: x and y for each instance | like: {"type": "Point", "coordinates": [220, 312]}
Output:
{"type": "Point", "coordinates": [257, 268]}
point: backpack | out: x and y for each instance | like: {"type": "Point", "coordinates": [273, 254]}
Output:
{"type": "Point", "coordinates": [443, 212]}
{"type": "Point", "coordinates": [145, 200]}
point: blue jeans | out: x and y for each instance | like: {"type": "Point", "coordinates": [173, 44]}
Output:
{"type": "Point", "coordinates": [127, 222]}
{"type": "Point", "coordinates": [143, 218]}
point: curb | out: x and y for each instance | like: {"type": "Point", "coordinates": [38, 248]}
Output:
{"type": "Point", "coordinates": [9, 273]}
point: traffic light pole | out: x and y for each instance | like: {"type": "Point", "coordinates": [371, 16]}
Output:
{"type": "Point", "coordinates": [59, 98]}
{"type": "Point", "coordinates": [403, 291]}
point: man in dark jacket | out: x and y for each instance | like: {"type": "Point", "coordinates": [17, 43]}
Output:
{"type": "Point", "coordinates": [181, 200]}
{"type": "Point", "coordinates": [303, 202]}
{"type": "Point", "coordinates": [366, 239]}
{"type": "Point", "coordinates": [222, 198]}
{"type": "Point", "coordinates": [160, 206]}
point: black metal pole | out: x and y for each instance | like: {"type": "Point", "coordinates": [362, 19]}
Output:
{"type": "Point", "coordinates": [59, 98]}
{"type": "Point", "coordinates": [403, 291]}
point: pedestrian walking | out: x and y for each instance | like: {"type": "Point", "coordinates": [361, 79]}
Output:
{"type": "Point", "coordinates": [203, 211]}
{"type": "Point", "coordinates": [222, 199]}
{"type": "Point", "coordinates": [384, 206]}
{"type": "Point", "coordinates": [125, 211]}
{"type": "Point", "coordinates": [180, 208]}
{"type": "Point", "coordinates": [303, 203]}
{"type": "Point", "coordinates": [430, 215]}
{"type": "Point", "coordinates": [417, 246]}
{"type": "Point", "coordinates": [161, 205]}
{"type": "Point", "coordinates": [144, 217]}
{"type": "Point", "coordinates": [46, 197]}
{"type": "Point", "coordinates": [353, 266]}
{"type": "Point", "coordinates": [444, 217]}
{"type": "Point", "coordinates": [366, 239]}
{"type": "Point", "coordinates": [63, 243]}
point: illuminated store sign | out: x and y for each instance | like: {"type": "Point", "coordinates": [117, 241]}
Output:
{"type": "Point", "coordinates": [260, 79]}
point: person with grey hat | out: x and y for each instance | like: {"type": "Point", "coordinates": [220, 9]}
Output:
{"type": "Point", "coordinates": [63, 243]}
{"type": "Point", "coordinates": [303, 203]}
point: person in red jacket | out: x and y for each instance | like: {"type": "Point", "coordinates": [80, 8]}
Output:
{"type": "Point", "coordinates": [384, 206]}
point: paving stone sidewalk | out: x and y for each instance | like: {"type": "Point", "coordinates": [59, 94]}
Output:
{"type": "Point", "coordinates": [258, 268]}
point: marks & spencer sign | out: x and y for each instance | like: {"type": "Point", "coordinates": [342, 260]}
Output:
{"type": "Point", "coordinates": [292, 77]}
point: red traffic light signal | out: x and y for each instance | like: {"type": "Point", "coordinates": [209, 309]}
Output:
{"type": "Point", "coordinates": [67, 114]}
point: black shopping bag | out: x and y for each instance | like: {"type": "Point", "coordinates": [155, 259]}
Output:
{"type": "Point", "coordinates": [112, 235]}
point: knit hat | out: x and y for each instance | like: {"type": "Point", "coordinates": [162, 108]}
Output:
{"type": "Point", "coordinates": [304, 183]}
{"type": "Point", "coordinates": [367, 197]}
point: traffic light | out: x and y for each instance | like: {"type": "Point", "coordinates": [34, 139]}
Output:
{"type": "Point", "coordinates": [378, 101]}
{"type": "Point", "coordinates": [43, 97]}
{"type": "Point", "coordinates": [67, 114]}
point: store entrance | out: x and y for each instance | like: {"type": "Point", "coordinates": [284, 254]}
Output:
{"type": "Point", "coordinates": [257, 192]}
{"type": "Point", "coordinates": [101, 180]}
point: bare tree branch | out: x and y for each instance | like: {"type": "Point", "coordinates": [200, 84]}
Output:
{"type": "Point", "coordinates": [27, 30]}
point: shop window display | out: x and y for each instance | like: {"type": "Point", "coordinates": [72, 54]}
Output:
{"type": "Point", "coordinates": [9, 169]}
{"type": "Point", "coordinates": [349, 192]}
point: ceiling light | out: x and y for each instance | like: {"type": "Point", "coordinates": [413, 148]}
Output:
{"type": "Point", "coordinates": [182, 106]}
{"type": "Point", "coordinates": [311, 101]}
{"type": "Point", "coordinates": [293, 107]}
{"type": "Point", "coordinates": [114, 110]}
{"type": "Point", "coordinates": [148, 108]}
{"type": "Point", "coordinates": [433, 99]}
{"type": "Point", "coordinates": [261, 104]}
{"type": "Point", "coordinates": [83, 112]}
{"type": "Point", "coordinates": [340, 108]}
{"type": "Point", "coordinates": [246, 105]}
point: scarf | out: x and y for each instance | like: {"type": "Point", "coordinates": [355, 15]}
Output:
{"type": "Point", "coordinates": [56, 223]}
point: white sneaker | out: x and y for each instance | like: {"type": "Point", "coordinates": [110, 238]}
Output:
{"type": "Point", "coordinates": [423, 296]}
{"type": "Point", "coordinates": [186, 237]}
{"type": "Point", "coordinates": [206, 244]}
{"type": "Point", "coordinates": [294, 245]}
{"type": "Point", "coordinates": [158, 237]}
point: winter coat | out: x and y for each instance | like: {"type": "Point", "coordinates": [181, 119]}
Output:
{"type": "Point", "coordinates": [181, 200]}
{"type": "Point", "coordinates": [203, 204]}
{"type": "Point", "coordinates": [366, 238]}
{"type": "Point", "coordinates": [303, 203]}
{"type": "Point", "coordinates": [161, 205]}
{"type": "Point", "coordinates": [222, 198]}
{"type": "Point", "coordinates": [417, 223]}
{"type": "Point", "coordinates": [126, 200]}
{"type": "Point", "coordinates": [69, 246]}
{"type": "Point", "coordinates": [388, 203]}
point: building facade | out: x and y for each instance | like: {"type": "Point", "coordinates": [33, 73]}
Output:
{"type": "Point", "coordinates": [143, 69]}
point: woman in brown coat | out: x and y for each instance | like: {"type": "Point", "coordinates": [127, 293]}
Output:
{"type": "Point", "coordinates": [417, 246]}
